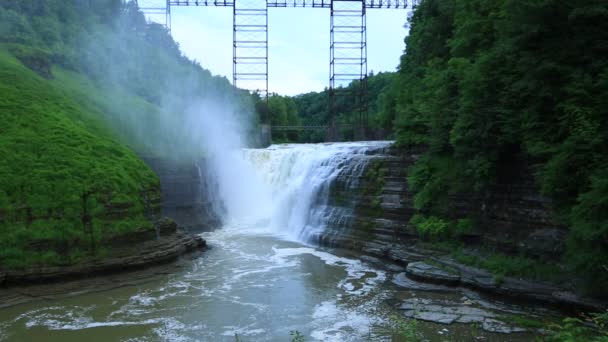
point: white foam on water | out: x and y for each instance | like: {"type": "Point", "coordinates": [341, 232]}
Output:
{"type": "Point", "coordinates": [361, 278]}
{"type": "Point", "coordinates": [242, 331]}
{"type": "Point", "coordinates": [77, 318]}
{"type": "Point", "coordinates": [333, 322]}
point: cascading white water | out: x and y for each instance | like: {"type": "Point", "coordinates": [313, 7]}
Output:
{"type": "Point", "coordinates": [298, 178]}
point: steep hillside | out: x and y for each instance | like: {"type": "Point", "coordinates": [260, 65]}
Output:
{"type": "Point", "coordinates": [87, 89]}
{"type": "Point", "coordinates": [65, 182]}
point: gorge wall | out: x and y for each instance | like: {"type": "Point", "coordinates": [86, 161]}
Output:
{"type": "Point", "coordinates": [370, 212]}
{"type": "Point", "coordinates": [185, 190]}
{"type": "Point", "coordinates": [369, 201]}
{"type": "Point", "coordinates": [511, 218]}
{"type": "Point", "coordinates": [356, 196]}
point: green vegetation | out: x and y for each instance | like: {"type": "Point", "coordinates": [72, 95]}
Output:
{"type": "Point", "coordinates": [78, 98]}
{"type": "Point", "coordinates": [430, 227]}
{"type": "Point", "coordinates": [404, 329]}
{"type": "Point", "coordinates": [296, 336]}
{"type": "Point", "coordinates": [283, 112]}
{"type": "Point", "coordinates": [435, 228]}
{"type": "Point", "coordinates": [500, 265]}
{"type": "Point", "coordinates": [313, 108]}
{"type": "Point", "coordinates": [62, 175]}
{"type": "Point", "coordinates": [374, 183]}
{"type": "Point", "coordinates": [574, 329]}
{"type": "Point", "coordinates": [524, 322]}
{"type": "Point", "coordinates": [503, 265]}
{"type": "Point", "coordinates": [483, 83]}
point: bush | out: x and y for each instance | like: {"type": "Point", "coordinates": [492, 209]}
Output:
{"type": "Point", "coordinates": [432, 178]}
{"type": "Point", "coordinates": [588, 243]}
{"type": "Point", "coordinates": [502, 265]}
{"type": "Point", "coordinates": [574, 329]}
{"type": "Point", "coordinates": [38, 60]}
{"type": "Point", "coordinates": [431, 227]}
{"type": "Point", "coordinates": [485, 82]}
{"type": "Point", "coordinates": [463, 226]}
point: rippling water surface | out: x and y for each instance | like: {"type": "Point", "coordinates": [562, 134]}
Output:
{"type": "Point", "coordinates": [254, 285]}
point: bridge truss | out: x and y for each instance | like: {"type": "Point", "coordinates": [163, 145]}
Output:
{"type": "Point", "coordinates": [347, 46]}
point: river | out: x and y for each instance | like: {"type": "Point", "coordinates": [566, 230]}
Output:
{"type": "Point", "coordinates": [260, 280]}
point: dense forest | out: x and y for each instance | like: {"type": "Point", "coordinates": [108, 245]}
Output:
{"type": "Point", "coordinates": [85, 85]}
{"type": "Point", "coordinates": [483, 82]}
{"type": "Point", "coordinates": [312, 109]}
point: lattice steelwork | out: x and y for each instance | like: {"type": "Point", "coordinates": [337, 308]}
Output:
{"type": "Point", "coordinates": [348, 59]}
{"type": "Point", "coordinates": [348, 42]}
{"type": "Point", "coordinates": [156, 10]}
{"type": "Point", "coordinates": [297, 3]}
{"type": "Point", "coordinates": [250, 45]}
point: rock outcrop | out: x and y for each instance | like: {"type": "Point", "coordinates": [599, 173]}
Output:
{"type": "Point", "coordinates": [132, 251]}
{"type": "Point", "coordinates": [185, 193]}
{"type": "Point", "coordinates": [512, 217]}
{"type": "Point", "coordinates": [371, 214]}
{"type": "Point", "coordinates": [447, 312]}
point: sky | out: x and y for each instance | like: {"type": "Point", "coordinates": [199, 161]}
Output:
{"type": "Point", "coordinates": [298, 41]}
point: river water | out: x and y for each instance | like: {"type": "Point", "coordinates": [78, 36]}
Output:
{"type": "Point", "coordinates": [259, 281]}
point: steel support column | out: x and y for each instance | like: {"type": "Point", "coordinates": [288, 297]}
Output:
{"type": "Point", "coordinates": [250, 45]}
{"type": "Point", "coordinates": [348, 62]}
{"type": "Point", "coordinates": [348, 46]}
{"type": "Point", "coordinates": [156, 10]}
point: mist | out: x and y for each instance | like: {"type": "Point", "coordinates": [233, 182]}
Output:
{"type": "Point", "coordinates": [221, 135]}
{"type": "Point", "coordinates": [166, 106]}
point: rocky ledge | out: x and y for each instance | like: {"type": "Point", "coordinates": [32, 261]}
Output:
{"type": "Point", "coordinates": [448, 312]}
{"type": "Point", "coordinates": [427, 266]}
{"type": "Point", "coordinates": [133, 251]}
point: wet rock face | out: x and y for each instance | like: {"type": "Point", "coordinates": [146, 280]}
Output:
{"type": "Point", "coordinates": [129, 252]}
{"type": "Point", "coordinates": [376, 205]}
{"type": "Point", "coordinates": [448, 312]}
{"type": "Point", "coordinates": [405, 282]}
{"type": "Point", "coordinates": [545, 241]}
{"type": "Point", "coordinates": [184, 190]}
{"type": "Point", "coordinates": [369, 211]}
{"type": "Point", "coordinates": [426, 272]}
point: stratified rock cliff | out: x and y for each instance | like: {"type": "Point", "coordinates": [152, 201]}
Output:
{"type": "Point", "coordinates": [376, 206]}
{"type": "Point", "coordinates": [185, 193]}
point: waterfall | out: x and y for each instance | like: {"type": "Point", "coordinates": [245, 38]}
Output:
{"type": "Point", "coordinates": [299, 177]}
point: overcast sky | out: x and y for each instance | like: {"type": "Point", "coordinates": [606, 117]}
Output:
{"type": "Point", "coordinates": [298, 43]}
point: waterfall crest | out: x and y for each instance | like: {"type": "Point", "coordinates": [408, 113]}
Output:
{"type": "Point", "coordinates": [298, 178]}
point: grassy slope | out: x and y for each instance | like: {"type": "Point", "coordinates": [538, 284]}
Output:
{"type": "Point", "coordinates": [54, 149]}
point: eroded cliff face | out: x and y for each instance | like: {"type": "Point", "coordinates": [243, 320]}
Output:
{"type": "Point", "coordinates": [370, 211]}
{"type": "Point", "coordinates": [376, 206]}
{"type": "Point", "coordinates": [185, 193]}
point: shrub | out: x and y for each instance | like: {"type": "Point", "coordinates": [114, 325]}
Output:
{"type": "Point", "coordinates": [574, 329]}
{"type": "Point", "coordinates": [463, 226]}
{"type": "Point", "coordinates": [430, 227]}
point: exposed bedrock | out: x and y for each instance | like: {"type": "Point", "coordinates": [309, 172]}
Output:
{"type": "Point", "coordinates": [185, 191]}
{"type": "Point", "coordinates": [370, 211]}
{"type": "Point", "coordinates": [126, 252]}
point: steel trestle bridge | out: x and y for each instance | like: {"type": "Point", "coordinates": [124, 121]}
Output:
{"type": "Point", "coordinates": [348, 45]}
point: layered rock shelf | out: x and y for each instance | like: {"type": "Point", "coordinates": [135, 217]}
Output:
{"type": "Point", "coordinates": [185, 193]}
{"type": "Point", "coordinates": [371, 210]}
{"type": "Point", "coordinates": [128, 252]}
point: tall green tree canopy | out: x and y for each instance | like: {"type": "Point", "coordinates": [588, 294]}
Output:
{"type": "Point", "coordinates": [483, 81]}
